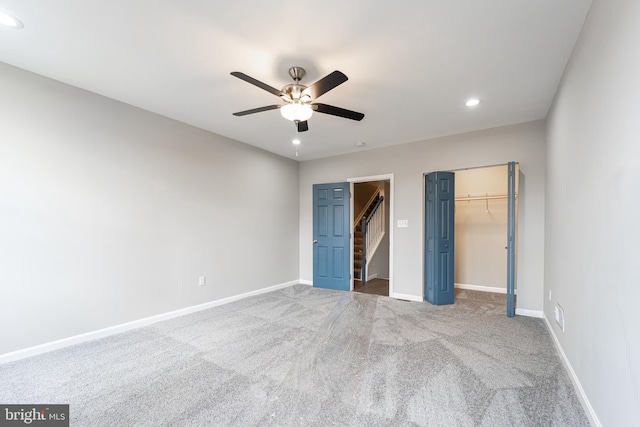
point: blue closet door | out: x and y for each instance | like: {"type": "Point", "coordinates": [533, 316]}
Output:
{"type": "Point", "coordinates": [511, 233]}
{"type": "Point", "coordinates": [439, 228]}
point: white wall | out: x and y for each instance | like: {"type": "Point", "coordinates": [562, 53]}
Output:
{"type": "Point", "coordinates": [408, 162]}
{"type": "Point", "coordinates": [109, 213]}
{"type": "Point", "coordinates": [481, 228]}
{"type": "Point", "coordinates": [592, 211]}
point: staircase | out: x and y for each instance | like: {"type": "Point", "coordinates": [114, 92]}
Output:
{"type": "Point", "coordinates": [360, 254]}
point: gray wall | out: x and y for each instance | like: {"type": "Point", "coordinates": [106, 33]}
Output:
{"type": "Point", "coordinates": [592, 211]}
{"type": "Point", "coordinates": [110, 213]}
{"type": "Point", "coordinates": [524, 143]}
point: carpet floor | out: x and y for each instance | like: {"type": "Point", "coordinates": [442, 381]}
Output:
{"type": "Point", "coordinates": [302, 356]}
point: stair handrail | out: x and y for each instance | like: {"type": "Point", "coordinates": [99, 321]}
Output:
{"type": "Point", "coordinates": [375, 208]}
{"type": "Point", "coordinates": [366, 206]}
{"type": "Point", "coordinates": [373, 213]}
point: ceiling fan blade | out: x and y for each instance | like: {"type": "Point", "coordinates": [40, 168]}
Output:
{"type": "Point", "coordinates": [257, 110]}
{"type": "Point", "coordinates": [325, 84]}
{"type": "Point", "coordinates": [337, 111]}
{"type": "Point", "coordinates": [302, 126]}
{"type": "Point", "coordinates": [258, 83]}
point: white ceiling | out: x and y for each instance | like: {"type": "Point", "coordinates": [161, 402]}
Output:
{"type": "Point", "coordinates": [411, 64]}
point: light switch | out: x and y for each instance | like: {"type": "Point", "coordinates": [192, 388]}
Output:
{"type": "Point", "coordinates": [403, 223]}
{"type": "Point", "coordinates": [202, 280]}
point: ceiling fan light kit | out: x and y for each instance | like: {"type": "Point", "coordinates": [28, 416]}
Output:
{"type": "Point", "coordinates": [298, 98]}
{"type": "Point", "coordinates": [296, 111]}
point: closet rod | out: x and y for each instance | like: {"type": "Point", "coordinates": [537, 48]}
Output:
{"type": "Point", "coordinates": [469, 198]}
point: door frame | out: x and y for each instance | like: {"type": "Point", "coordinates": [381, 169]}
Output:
{"type": "Point", "coordinates": [383, 177]}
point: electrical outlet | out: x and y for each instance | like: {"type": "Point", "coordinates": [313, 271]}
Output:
{"type": "Point", "coordinates": [202, 280]}
{"type": "Point", "coordinates": [559, 316]}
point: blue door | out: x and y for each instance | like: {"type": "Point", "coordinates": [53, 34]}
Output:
{"type": "Point", "coordinates": [331, 249]}
{"type": "Point", "coordinates": [439, 226]}
{"type": "Point", "coordinates": [511, 234]}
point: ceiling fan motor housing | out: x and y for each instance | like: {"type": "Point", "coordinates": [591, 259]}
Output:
{"type": "Point", "coordinates": [293, 91]}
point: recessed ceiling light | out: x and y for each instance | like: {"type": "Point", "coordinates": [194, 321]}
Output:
{"type": "Point", "coordinates": [360, 144]}
{"type": "Point", "coordinates": [472, 102]}
{"type": "Point", "coordinates": [9, 21]}
{"type": "Point", "coordinates": [296, 142]}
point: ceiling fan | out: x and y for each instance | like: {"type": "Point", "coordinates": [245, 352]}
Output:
{"type": "Point", "coordinates": [298, 98]}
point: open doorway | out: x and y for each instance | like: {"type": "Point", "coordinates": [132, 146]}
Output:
{"type": "Point", "coordinates": [482, 226]}
{"type": "Point", "coordinates": [481, 244]}
{"type": "Point", "coordinates": [480, 229]}
{"type": "Point", "coordinates": [371, 244]}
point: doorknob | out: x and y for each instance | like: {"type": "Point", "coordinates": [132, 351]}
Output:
{"type": "Point", "coordinates": [315, 241]}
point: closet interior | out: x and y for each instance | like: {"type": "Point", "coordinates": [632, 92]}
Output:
{"type": "Point", "coordinates": [481, 229]}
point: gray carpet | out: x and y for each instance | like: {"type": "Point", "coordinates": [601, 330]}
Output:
{"type": "Point", "coordinates": [302, 356]}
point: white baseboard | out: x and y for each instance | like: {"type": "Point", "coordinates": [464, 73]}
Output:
{"type": "Point", "coordinates": [406, 297]}
{"type": "Point", "coordinates": [373, 276]}
{"type": "Point", "coordinates": [483, 288]}
{"type": "Point", "coordinates": [591, 413]}
{"type": "Point", "coordinates": [305, 282]}
{"type": "Point", "coordinates": [101, 333]}
{"type": "Point", "coordinates": [529, 313]}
